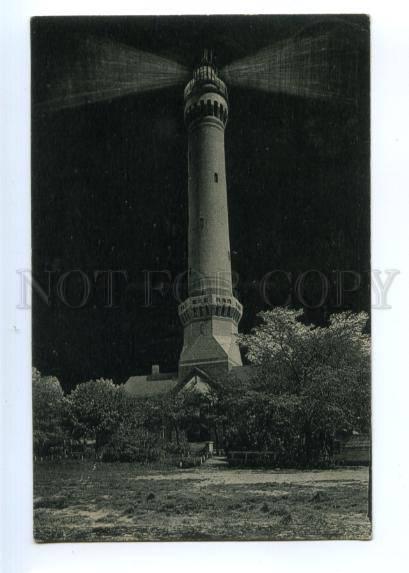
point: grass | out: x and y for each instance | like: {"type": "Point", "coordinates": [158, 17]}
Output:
{"type": "Point", "coordinates": [84, 501]}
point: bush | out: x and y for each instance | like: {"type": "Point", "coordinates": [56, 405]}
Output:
{"type": "Point", "coordinates": [132, 446]}
{"type": "Point", "coordinates": [48, 415]}
{"type": "Point", "coordinates": [142, 446]}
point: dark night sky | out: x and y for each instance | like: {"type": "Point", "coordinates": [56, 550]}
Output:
{"type": "Point", "coordinates": [109, 189]}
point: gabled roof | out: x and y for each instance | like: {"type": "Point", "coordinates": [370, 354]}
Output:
{"type": "Point", "coordinates": [160, 384]}
{"type": "Point", "coordinates": [196, 371]}
{"type": "Point", "coordinates": [149, 386]}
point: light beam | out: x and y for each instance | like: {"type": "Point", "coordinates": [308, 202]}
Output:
{"type": "Point", "coordinates": [316, 67]}
{"type": "Point", "coordinates": [107, 70]}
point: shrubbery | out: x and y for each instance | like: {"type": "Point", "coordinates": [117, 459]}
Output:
{"type": "Point", "coordinates": [101, 415]}
{"type": "Point", "coordinates": [49, 409]}
{"type": "Point", "coordinates": [308, 382]}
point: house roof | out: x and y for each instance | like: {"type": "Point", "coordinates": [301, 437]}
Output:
{"type": "Point", "coordinates": [150, 385]}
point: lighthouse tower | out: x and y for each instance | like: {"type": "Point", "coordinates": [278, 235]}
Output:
{"type": "Point", "coordinates": [211, 313]}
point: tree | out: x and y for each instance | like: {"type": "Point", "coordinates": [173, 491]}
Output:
{"type": "Point", "coordinates": [48, 412]}
{"type": "Point", "coordinates": [311, 381]}
{"type": "Point", "coordinates": [96, 409]}
{"type": "Point", "coordinates": [142, 434]}
{"type": "Point", "coordinates": [260, 420]}
{"type": "Point", "coordinates": [136, 438]}
{"type": "Point", "coordinates": [180, 412]}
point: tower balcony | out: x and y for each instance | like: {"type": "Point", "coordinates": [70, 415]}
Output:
{"type": "Point", "coordinates": [205, 82]}
{"type": "Point", "coordinates": [208, 306]}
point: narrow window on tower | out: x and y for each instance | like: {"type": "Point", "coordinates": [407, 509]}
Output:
{"type": "Point", "coordinates": [201, 223]}
{"type": "Point", "coordinates": [216, 177]}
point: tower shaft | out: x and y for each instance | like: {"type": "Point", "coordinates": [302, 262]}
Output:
{"type": "Point", "coordinates": [211, 314]}
{"type": "Point", "coordinates": [209, 243]}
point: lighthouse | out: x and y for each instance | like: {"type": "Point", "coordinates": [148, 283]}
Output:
{"type": "Point", "coordinates": [211, 313]}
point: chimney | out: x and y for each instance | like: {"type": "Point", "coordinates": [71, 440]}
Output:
{"type": "Point", "coordinates": [155, 368]}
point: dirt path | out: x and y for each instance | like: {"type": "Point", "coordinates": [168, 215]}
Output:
{"type": "Point", "coordinates": [217, 472]}
{"type": "Point", "coordinates": [219, 462]}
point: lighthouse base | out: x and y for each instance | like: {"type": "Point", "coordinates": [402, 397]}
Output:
{"type": "Point", "coordinates": [211, 345]}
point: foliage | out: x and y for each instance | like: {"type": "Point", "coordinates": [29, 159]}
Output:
{"type": "Point", "coordinates": [311, 381]}
{"type": "Point", "coordinates": [142, 434]}
{"type": "Point", "coordinates": [122, 428]}
{"type": "Point", "coordinates": [308, 382]}
{"type": "Point", "coordinates": [138, 445]}
{"type": "Point", "coordinates": [48, 412]}
{"type": "Point", "coordinates": [96, 410]}
{"type": "Point", "coordinates": [189, 413]}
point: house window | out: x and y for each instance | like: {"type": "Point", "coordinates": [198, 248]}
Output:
{"type": "Point", "coordinates": [216, 177]}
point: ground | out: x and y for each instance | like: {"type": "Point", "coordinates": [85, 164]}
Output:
{"type": "Point", "coordinates": [86, 501]}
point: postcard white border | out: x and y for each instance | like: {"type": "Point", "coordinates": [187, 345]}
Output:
{"type": "Point", "coordinates": [390, 162]}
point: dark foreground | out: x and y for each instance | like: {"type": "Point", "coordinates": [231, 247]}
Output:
{"type": "Point", "coordinates": [83, 501]}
